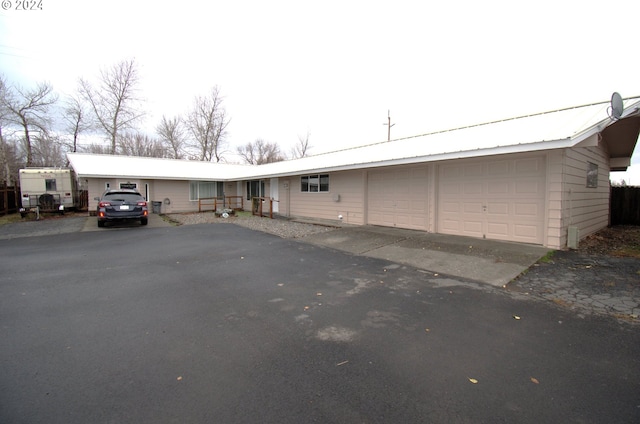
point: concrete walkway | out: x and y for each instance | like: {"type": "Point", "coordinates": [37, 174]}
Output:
{"type": "Point", "coordinates": [488, 261]}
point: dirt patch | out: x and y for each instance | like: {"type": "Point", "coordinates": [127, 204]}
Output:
{"type": "Point", "coordinates": [620, 241]}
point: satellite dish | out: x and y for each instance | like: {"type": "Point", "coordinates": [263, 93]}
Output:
{"type": "Point", "coordinates": [616, 106]}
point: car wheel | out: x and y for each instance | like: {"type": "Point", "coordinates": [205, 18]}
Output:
{"type": "Point", "coordinates": [100, 223]}
{"type": "Point", "coordinates": [144, 221]}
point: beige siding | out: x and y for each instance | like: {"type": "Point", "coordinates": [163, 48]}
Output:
{"type": "Point", "coordinates": [555, 236]}
{"type": "Point", "coordinates": [97, 186]}
{"type": "Point", "coordinates": [173, 194]}
{"type": "Point", "coordinates": [345, 197]}
{"type": "Point", "coordinates": [585, 207]}
{"type": "Point", "coordinates": [177, 193]}
{"type": "Point", "coordinates": [521, 197]}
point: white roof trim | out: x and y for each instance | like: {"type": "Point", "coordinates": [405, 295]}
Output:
{"type": "Point", "coordinates": [555, 130]}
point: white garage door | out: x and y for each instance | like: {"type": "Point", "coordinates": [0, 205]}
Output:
{"type": "Point", "coordinates": [398, 198]}
{"type": "Point", "coordinates": [497, 199]}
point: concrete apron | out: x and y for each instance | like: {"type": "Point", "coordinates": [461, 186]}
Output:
{"type": "Point", "coordinates": [486, 261]}
{"type": "Point", "coordinates": [154, 221]}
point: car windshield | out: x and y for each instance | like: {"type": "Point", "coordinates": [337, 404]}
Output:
{"type": "Point", "coordinates": [123, 197]}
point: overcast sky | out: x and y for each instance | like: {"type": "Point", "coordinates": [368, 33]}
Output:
{"type": "Point", "coordinates": [334, 68]}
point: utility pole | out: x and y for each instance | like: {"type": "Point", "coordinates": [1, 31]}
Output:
{"type": "Point", "coordinates": [389, 124]}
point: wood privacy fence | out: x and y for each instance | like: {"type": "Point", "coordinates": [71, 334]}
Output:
{"type": "Point", "coordinates": [625, 205]}
{"type": "Point", "coordinates": [9, 199]}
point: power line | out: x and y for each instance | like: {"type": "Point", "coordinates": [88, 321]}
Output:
{"type": "Point", "coordinates": [475, 125]}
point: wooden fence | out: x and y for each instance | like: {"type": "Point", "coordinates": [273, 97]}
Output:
{"type": "Point", "coordinates": [625, 205]}
{"type": "Point", "coordinates": [9, 199]}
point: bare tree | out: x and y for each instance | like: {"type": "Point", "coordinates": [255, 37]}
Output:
{"type": "Point", "coordinates": [97, 149]}
{"type": "Point", "coordinates": [137, 144]}
{"type": "Point", "coordinates": [5, 147]}
{"type": "Point", "coordinates": [208, 122]}
{"type": "Point", "coordinates": [260, 152]}
{"type": "Point", "coordinates": [301, 148]}
{"type": "Point", "coordinates": [114, 103]}
{"type": "Point", "coordinates": [49, 151]}
{"type": "Point", "coordinates": [28, 109]}
{"type": "Point", "coordinates": [76, 119]}
{"type": "Point", "coordinates": [9, 161]}
{"type": "Point", "coordinates": [171, 132]}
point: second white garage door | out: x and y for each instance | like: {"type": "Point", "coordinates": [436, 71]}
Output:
{"type": "Point", "coordinates": [398, 197]}
{"type": "Point", "coordinates": [497, 199]}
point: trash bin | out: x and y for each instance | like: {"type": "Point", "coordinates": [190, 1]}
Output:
{"type": "Point", "coordinates": [156, 207]}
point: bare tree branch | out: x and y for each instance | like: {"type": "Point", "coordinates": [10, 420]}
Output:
{"type": "Point", "coordinates": [260, 152]}
{"type": "Point", "coordinates": [48, 151]}
{"type": "Point", "coordinates": [301, 149]}
{"type": "Point", "coordinates": [76, 119]}
{"type": "Point", "coordinates": [28, 109]}
{"type": "Point", "coordinates": [114, 103]}
{"type": "Point", "coordinates": [97, 149]}
{"type": "Point", "coordinates": [171, 132]}
{"type": "Point", "coordinates": [137, 144]}
{"type": "Point", "coordinates": [208, 122]}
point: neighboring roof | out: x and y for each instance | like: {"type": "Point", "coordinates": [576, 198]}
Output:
{"type": "Point", "coordinates": [559, 129]}
{"type": "Point", "coordinates": [107, 166]}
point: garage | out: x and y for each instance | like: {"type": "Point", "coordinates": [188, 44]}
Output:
{"type": "Point", "coordinates": [397, 197]}
{"type": "Point", "coordinates": [500, 199]}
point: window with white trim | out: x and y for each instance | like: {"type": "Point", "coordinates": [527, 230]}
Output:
{"type": "Point", "coordinates": [205, 189]}
{"type": "Point", "coordinates": [317, 183]}
{"type": "Point", "coordinates": [255, 189]}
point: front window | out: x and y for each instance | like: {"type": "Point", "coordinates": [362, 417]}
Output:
{"type": "Point", "coordinates": [205, 189]}
{"type": "Point", "coordinates": [255, 189]}
{"type": "Point", "coordinates": [317, 183]}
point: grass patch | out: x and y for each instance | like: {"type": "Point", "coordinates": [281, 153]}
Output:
{"type": "Point", "coordinates": [10, 219]}
{"type": "Point", "coordinates": [548, 257]}
{"type": "Point", "coordinates": [170, 220]}
{"type": "Point", "coordinates": [628, 251]}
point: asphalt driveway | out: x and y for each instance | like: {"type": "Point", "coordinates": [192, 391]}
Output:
{"type": "Point", "coordinates": [218, 323]}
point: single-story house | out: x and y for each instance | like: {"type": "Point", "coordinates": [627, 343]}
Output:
{"type": "Point", "coordinates": [540, 179]}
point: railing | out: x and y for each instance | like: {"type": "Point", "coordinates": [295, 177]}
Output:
{"type": "Point", "coordinates": [228, 202]}
{"type": "Point", "coordinates": [208, 201]}
{"type": "Point", "coordinates": [257, 206]}
{"type": "Point", "coordinates": [234, 202]}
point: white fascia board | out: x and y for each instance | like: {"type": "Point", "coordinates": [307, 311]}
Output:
{"type": "Point", "coordinates": [631, 110]}
{"type": "Point", "coordinates": [465, 154]}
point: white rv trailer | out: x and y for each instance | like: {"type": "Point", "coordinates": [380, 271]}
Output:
{"type": "Point", "coordinates": [47, 189]}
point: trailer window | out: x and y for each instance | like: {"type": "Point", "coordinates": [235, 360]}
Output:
{"type": "Point", "coordinates": [50, 185]}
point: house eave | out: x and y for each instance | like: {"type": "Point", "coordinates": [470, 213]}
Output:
{"type": "Point", "coordinates": [463, 154]}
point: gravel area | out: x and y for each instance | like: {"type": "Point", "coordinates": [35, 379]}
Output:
{"type": "Point", "coordinates": [280, 227]}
